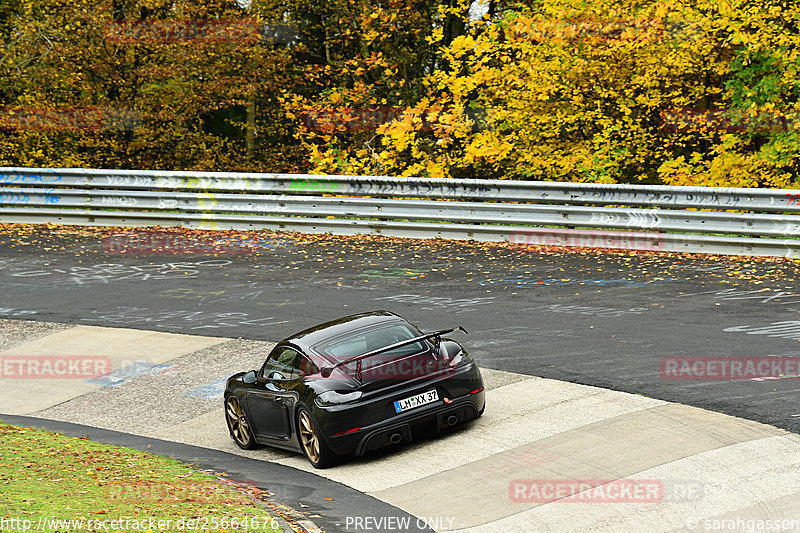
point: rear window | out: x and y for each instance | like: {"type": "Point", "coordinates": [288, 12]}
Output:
{"type": "Point", "coordinates": [366, 341]}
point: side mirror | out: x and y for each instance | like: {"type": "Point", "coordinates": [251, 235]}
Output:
{"type": "Point", "coordinates": [250, 377]}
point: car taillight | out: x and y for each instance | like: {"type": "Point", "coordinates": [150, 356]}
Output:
{"type": "Point", "coordinates": [346, 432]}
{"type": "Point", "coordinates": [476, 391]}
{"type": "Point", "coordinates": [328, 398]}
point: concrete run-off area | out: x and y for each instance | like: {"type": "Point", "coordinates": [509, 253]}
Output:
{"type": "Point", "coordinates": [547, 455]}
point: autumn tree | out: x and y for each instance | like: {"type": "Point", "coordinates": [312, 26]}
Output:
{"type": "Point", "coordinates": [701, 93]}
{"type": "Point", "coordinates": [141, 84]}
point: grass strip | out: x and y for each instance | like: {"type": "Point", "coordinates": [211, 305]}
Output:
{"type": "Point", "coordinates": [51, 482]}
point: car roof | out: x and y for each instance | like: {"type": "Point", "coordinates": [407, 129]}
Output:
{"type": "Point", "coordinates": [308, 338]}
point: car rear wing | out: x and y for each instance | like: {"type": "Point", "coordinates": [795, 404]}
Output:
{"type": "Point", "coordinates": [326, 371]}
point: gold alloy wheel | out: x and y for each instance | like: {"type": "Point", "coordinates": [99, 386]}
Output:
{"type": "Point", "coordinates": [237, 422]}
{"type": "Point", "coordinates": [308, 437]}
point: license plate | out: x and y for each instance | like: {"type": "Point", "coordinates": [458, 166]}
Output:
{"type": "Point", "coordinates": [416, 401]}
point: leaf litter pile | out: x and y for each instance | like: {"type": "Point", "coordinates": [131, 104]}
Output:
{"type": "Point", "coordinates": [375, 256]}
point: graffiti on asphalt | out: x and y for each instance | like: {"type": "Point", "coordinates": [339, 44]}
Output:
{"type": "Point", "coordinates": [588, 310]}
{"type": "Point", "coordinates": [394, 273]}
{"type": "Point", "coordinates": [180, 319]}
{"type": "Point", "coordinates": [787, 329]}
{"type": "Point", "coordinates": [432, 303]}
{"type": "Point", "coordinates": [111, 272]}
{"type": "Point", "coordinates": [763, 296]}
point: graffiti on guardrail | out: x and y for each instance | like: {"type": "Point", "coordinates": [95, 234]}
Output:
{"type": "Point", "coordinates": [14, 197]}
{"type": "Point", "coordinates": [629, 240]}
{"type": "Point", "coordinates": [306, 184]}
{"type": "Point", "coordinates": [38, 176]}
{"type": "Point", "coordinates": [18, 196]}
{"type": "Point", "coordinates": [607, 195]}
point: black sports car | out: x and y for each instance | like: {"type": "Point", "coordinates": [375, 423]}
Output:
{"type": "Point", "coordinates": [353, 385]}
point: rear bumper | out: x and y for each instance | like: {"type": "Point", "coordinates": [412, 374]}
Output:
{"type": "Point", "coordinates": [461, 395]}
{"type": "Point", "coordinates": [426, 420]}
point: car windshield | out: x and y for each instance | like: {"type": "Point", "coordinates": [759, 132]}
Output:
{"type": "Point", "coordinates": [374, 339]}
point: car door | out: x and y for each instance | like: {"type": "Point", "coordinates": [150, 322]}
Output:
{"type": "Point", "coordinates": [269, 401]}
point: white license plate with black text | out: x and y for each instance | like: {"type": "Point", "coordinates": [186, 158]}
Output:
{"type": "Point", "coordinates": [416, 401]}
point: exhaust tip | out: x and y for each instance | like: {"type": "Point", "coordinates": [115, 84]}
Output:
{"type": "Point", "coordinates": [452, 420]}
{"type": "Point", "coordinates": [394, 438]}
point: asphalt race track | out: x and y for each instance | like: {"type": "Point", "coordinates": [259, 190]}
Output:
{"type": "Point", "coordinates": [609, 320]}
{"type": "Point", "coordinates": [593, 318]}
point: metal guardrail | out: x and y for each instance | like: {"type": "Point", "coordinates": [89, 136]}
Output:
{"type": "Point", "coordinates": [693, 219]}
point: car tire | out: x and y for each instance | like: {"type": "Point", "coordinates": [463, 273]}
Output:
{"type": "Point", "coordinates": [311, 441]}
{"type": "Point", "coordinates": [238, 426]}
